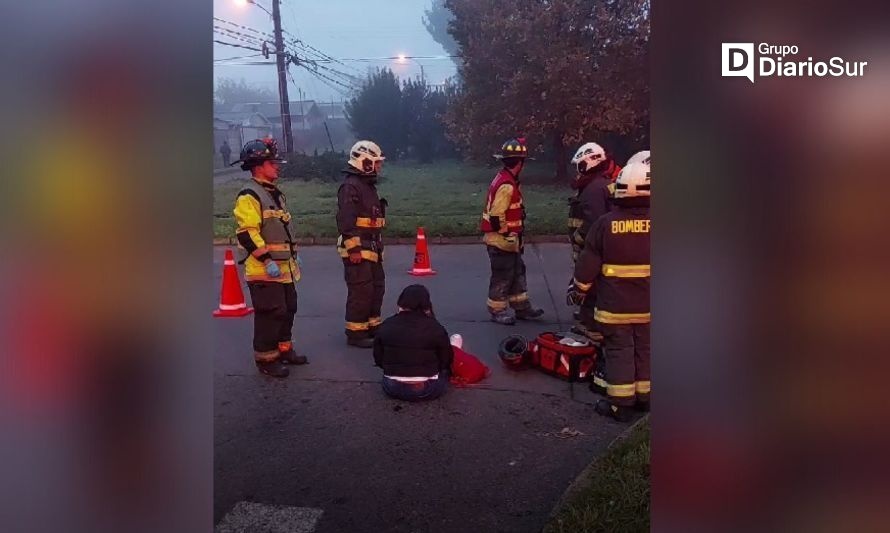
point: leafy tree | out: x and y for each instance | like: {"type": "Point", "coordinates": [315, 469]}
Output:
{"type": "Point", "coordinates": [405, 119]}
{"type": "Point", "coordinates": [228, 91]}
{"type": "Point", "coordinates": [436, 20]}
{"type": "Point", "coordinates": [375, 112]}
{"type": "Point", "coordinates": [557, 71]}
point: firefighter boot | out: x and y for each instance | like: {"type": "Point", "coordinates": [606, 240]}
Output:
{"type": "Point", "coordinates": [617, 412]}
{"type": "Point", "coordinates": [290, 357]}
{"type": "Point", "coordinates": [503, 318]}
{"type": "Point", "coordinates": [529, 314]}
{"type": "Point", "coordinates": [275, 368]}
{"type": "Point", "coordinates": [360, 342]}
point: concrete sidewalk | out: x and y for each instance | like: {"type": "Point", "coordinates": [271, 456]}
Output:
{"type": "Point", "coordinates": [486, 458]}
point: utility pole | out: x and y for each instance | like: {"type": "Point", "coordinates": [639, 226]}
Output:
{"type": "Point", "coordinates": [281, 60]}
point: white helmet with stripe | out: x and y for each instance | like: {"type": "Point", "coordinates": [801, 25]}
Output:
{"type": "Point", "coordinates": [588, 157]}
{"type": "Point", "coordinates": [640, 157]}
{"type": "Point", "coordinates": [364, 155]}
{"type": "Point", "coordinates": [633, 180]}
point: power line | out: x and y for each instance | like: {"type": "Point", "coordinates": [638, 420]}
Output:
{"type": "Point", "coordinates": [240, 26]}
{"type": "Point", "coordinates": [237, 58]}
{"type": "Point", "coordinates": [237, 45]}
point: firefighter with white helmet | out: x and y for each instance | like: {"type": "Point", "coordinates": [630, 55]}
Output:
{"type": "Point", "coordinates": [612, 273]}
{"type": "Point", "coordinates": [592, 185]}
{"type": "Point", "coordinates": [643, 156]}
{"type": "Point", "coordinates": [361, 216]}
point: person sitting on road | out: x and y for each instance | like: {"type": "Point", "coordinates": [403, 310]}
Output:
{"type": "Point", "coordinates": [413, 349]}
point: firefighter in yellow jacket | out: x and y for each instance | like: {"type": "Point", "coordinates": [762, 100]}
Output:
{"type": "Point", "coordinates": [613, 271]}
{"type": "Point", "coordinates": [269, 258]}
{"type": "Point", "coordinates": [502, 225]}
{"type": "Point", "coordinates": [361, 216]}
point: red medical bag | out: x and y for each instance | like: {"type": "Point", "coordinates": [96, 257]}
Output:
{"type": "Point", "coordinates": [571, 363]}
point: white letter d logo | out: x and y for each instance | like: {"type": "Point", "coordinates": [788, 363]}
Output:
{"type": "Point", "coordinates": [738, 60]}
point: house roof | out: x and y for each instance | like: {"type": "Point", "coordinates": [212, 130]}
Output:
{"type": "Point", "coordinates": [331, 110]}
{"type": "Point", "coordinates": [269, 109]}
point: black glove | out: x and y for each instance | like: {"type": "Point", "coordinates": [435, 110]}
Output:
{"type": "Point", "coordinates": [574, 295]}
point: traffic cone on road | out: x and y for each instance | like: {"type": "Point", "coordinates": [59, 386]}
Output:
{"type": "Point", "coordinates": [422, 265]}
{"type": "Point", "coordinates": [231, 299]}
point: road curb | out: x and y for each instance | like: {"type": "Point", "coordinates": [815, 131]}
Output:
{"type": "Point", "coordinates": [436, 239]}
{"type": "Point", "coordinates": [585, 477]}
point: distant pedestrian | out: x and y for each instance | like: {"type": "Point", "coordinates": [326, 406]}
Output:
{"type": "Point", "coordinates": [413, 349]}
{"type": "Point", "coordinates": [226, 151]}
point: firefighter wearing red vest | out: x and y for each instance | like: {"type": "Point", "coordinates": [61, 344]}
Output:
{"type": "Point", "coordinates": [269, 258]}
{"type": "Point", "coordinates": [361, 216]}
{"type": "Point", "coordinates": [502, 225]}
{"type": "Point", "coordinates": [593, 185]}
{"type": "Point", "coordinates": [613, 271]}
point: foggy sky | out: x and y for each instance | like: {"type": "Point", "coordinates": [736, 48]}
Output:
{"type": "Point", "coordinates": [342, 29]}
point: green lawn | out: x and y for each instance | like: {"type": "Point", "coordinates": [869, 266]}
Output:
{"type": "Point", "coordinates": [445, 198]}
{"type": "Point", "coordinates": [617, 499]}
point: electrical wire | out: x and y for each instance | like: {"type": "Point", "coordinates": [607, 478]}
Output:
{"type": "Point", "coordinates": [237, 45]}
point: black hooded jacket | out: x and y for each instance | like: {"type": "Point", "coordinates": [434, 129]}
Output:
{"type": "Point", "coordinates": [412, 344]}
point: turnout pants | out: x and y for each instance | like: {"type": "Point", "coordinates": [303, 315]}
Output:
{"type": "Point", "coordinates": [275, 305]}
{"type": "Point", "coordinates": [626, 356]}
{"type": "Point", "coordinates": [507, 287]}
{"type": "Point", "coordinates": [366, 283]}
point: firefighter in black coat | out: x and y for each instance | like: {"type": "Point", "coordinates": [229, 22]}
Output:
{"type": "Point", "coordinates": [613, 271]}
{"type": "Point", "coordinates": [361, 216]}
{"type": "Point", "coordinates": [593, 199]}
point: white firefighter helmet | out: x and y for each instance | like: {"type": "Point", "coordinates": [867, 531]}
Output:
{"type": "Point", "coordinates": [640, 157]}
{"type": "Point", "coordinates": [363, 155]}
{"type": "Point", "coordinates": [588, 157]}
{"type": "Point", "coordinates": [632, 181]}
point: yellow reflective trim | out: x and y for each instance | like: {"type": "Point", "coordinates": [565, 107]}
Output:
{"type": "Point", "coordinates": [621, 318]}
{"type": "Point", "coordinates": [265, 357]}
{"type": "Point", "coordinates": [509, 147]}
{"type": "Point", "coordinates": [277, 213]}
{"type": "Point", "coordinates": [626, 271]}
{"type": "Point", "coordinates": [644, 387]}
{"type": "Point", "coordinates": [375, 321]}
{"type": "Point", "coordinates": [363, 222]}
{"type": "Point", "coordinates": [583, 287]}
{"type": "Point", "coordinates": [600, 382]}
{"type": "Point", "coordinates": [575, 222]}
{"type": "Point", "coordinates": [496, 305]}
{"type": "Point", "coordinates": [279, 247]}
{"type": "Point", "coordinates": [518, 297]}
{"type": "Point", "coordinates": [353, 242]}
{"type": "Point", "coordinates": [357, 326]}
{"type": "Point", "coordinates": [621, 391]}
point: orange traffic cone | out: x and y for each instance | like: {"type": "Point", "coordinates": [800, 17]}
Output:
{"type": "Point", "coordinates": [231, 300]}
{"type": "Point", "coordinates": [422, 265]}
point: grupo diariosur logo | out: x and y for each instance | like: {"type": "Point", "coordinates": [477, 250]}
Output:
{"type": "Point", "coordinates": [779, 61]}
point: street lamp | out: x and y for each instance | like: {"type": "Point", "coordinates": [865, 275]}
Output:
{"type": "Point", "coordinates": [254, 2]}
{"type": "Point", "coordinates": [402, 58]}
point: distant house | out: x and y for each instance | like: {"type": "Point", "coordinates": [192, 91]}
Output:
{"type": "Point", "coordinates": [254, 120]}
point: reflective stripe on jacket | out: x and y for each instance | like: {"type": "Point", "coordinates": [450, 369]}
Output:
{"type": "Point", "coordinates": [265, 222]}
{"type": "Point", "coordinates": [361, 217]}
{"type": "Point", "coordinates": [614, 266]}
{"type": "Point", "coordinates": [504, 214]}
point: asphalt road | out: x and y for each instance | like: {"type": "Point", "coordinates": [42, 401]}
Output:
{"type": "Point", "coordinates": [324, 450]}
